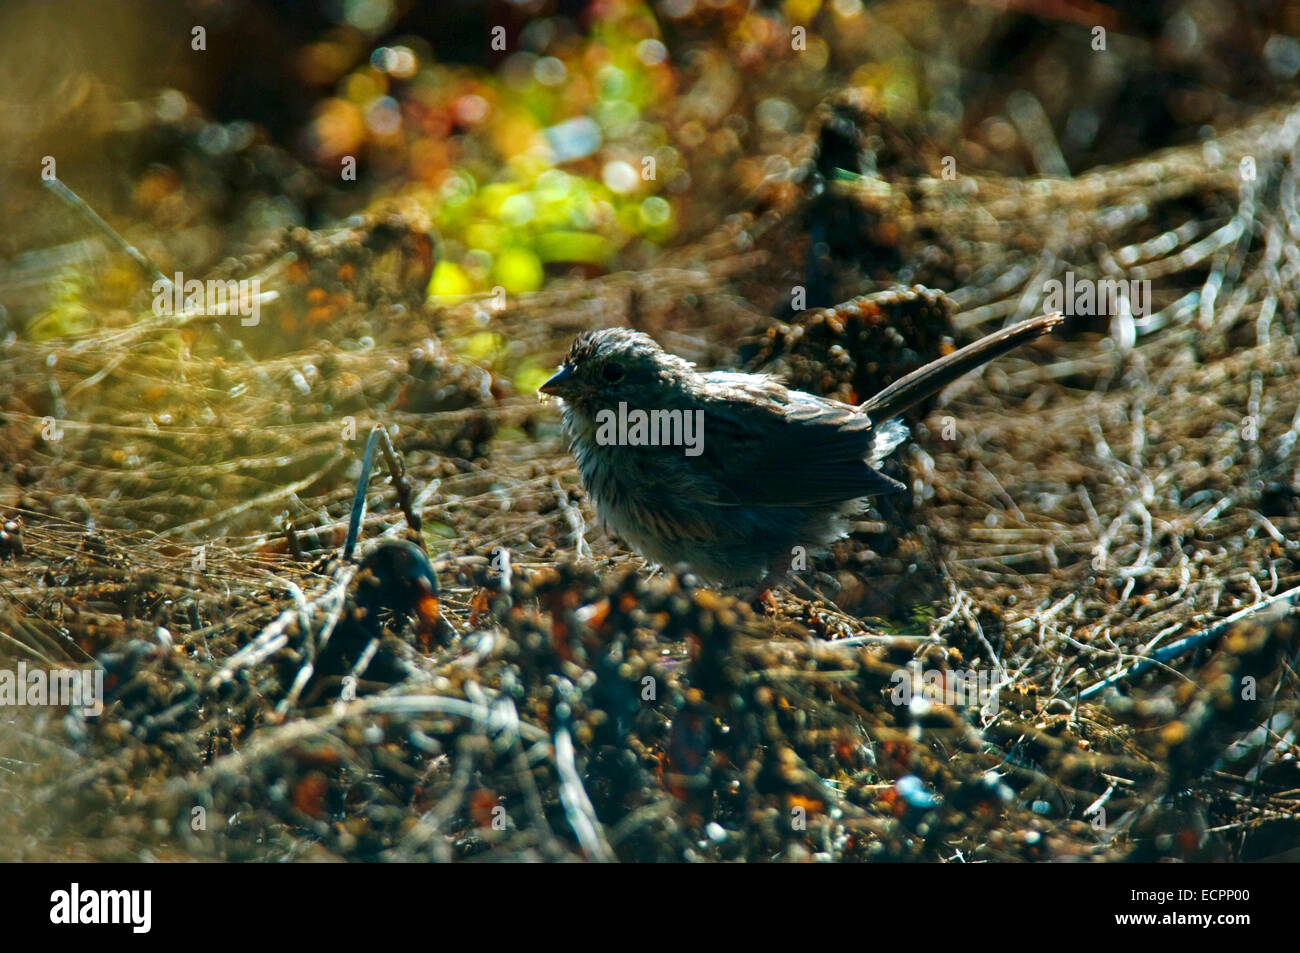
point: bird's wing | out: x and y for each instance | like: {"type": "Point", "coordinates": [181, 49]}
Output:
{"type": "Point", "coordinates": [764, 445]}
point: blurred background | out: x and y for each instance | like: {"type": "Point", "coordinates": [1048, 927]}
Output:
{"type": "Point", "coordinates": [547, 137]}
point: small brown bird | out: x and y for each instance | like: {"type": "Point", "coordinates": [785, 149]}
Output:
{"type": "Point", "coordinates": [725, 473]}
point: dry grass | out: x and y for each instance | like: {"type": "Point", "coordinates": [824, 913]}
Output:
{"type": "Point", "coordinates": [1099, 500]}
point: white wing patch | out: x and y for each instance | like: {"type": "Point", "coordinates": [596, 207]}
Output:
{"type": "Point", "coordinates": [887, 438]}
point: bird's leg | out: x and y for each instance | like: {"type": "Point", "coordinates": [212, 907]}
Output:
{"type": "Point", "coordinates": [761, 597]}
{"type": "Point", "coordinates": [801, 584]}
{"type": "Point", "coordinates": [796, 582]}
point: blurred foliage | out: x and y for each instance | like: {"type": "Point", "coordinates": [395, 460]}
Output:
{"type": "Point", "coordinates": [482, 149]}
{"type": "Point", "coordinates": [541, 138]}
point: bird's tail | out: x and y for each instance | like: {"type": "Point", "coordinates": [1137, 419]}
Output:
{"type": "Point", "coordinates": [913, 388]}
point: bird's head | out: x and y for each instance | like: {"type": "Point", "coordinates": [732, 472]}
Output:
{"type": "Point", "coordinates": [611, 365]}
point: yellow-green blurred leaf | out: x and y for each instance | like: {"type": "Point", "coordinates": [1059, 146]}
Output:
{"type": "Point", "coordinates": [518, 270]}
{"type": "Point", "coordinates": [483, 346]}
{"type": "Point", "coordinates": [574, 246]}
{"type": "Point", "coordinates": [449, 279]}
{"type": "Point", "coordinates": [530, 377]}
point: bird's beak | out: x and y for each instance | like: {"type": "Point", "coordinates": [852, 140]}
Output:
{"type": "Point", "coordinates": [556, 383]}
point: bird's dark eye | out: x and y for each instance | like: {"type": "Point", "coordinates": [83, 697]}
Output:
{"type": "Point", "coordinates": [613, 372]}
